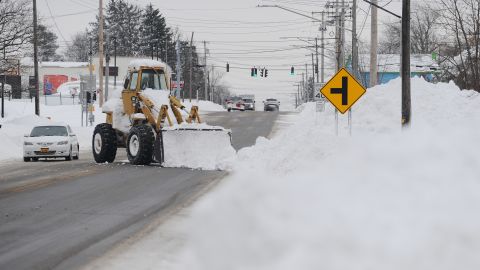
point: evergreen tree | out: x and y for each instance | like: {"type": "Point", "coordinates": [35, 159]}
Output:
{"type": "Point", "coordinates": [154, 33]}
{"type": "Point", "coordinates": [122, 24]}
{"type": "Point", "coordinates": [47, 44]}
{"type": "Point", "coordinates": [141, 33]}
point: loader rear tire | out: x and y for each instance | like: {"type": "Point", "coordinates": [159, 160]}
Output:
{"type": "Point", "coordinates": [104, 143]}
{"type": "Point", "coordinates": [140, 145]}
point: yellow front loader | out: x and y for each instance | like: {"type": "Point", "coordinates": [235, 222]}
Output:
{"type": "Point", "coordinates": [138, 118]}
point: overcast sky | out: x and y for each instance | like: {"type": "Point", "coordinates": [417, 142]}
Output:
{"type": "Point", "coordinates": [237, 32]}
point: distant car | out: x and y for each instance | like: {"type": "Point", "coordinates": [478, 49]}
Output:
{"type": "Point", "coordinates": [249, 104]}
{"type": "Point", "coordinates": [271, 104]}
{"type": "Point", "coordinates": [235, 103]}
{"type": "Point", "coordinates": [50, 141]}
{"type": "Point", "coordinates": [249, 101]}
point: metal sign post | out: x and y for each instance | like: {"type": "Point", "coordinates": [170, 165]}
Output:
{"type": "Point", "coordinates": [350, 122]}
{"type": "Point", "coordinates": [343, 90]}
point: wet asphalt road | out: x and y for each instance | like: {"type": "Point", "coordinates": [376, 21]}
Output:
{"type": "Point", "coordinates": [61, 215]}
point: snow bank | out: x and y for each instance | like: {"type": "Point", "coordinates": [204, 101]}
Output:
{"type": "Point", "coordinates": [20, 118]}
{"type": "Point", "coordinates": [382, 199]}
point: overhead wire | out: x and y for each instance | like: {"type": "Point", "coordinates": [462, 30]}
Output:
{"type": "Point", "coordinates": [55, 22]}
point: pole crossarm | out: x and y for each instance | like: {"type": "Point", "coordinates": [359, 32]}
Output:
{"type": "Point", "coordinates": [382, 8]}
{"type": "Point", "coordinates": [293, 11]}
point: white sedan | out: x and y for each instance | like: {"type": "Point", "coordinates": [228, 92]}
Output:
{"type": "Point", "coordinates": [50, 141]}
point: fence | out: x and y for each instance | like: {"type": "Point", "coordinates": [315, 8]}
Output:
{"type": "Point", "coordinates": [56, 100]}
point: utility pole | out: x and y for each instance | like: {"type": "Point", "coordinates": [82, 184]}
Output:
{"type": "Point", "coordinates": [166, 50]}
{"type": "Point", "coordinates": [212, 86]}
{"type": "Point", "coordinates": [303, 87]}
{"type": "Point", "coordinates": [313, 79]}
{"type": "Point", "coordinates": [406, 99]}
{"type": "Point", "coordinates": [179, 68]}
{"type": "Point", "coordinates": [191, 69]}
{"type": "Point", "coordinates": [374, 45]}
{"type": "Point", "coordinates": [337, 36]}
{"type": "Point", "coordinates": [205, 70]}
{"type": "Point", "coordinates": [4, 78]}
{"type": "Point", "coordinates": [307, 95]}
{"type": "Point", "coordinates": [89, 84]}
{"type": "Point", "coordinates": [316, 59]}
{"type": "Point", "coordinates": [100, 53]}
{"type": "Point", "coordinates": [342, 38]}
{"type": "Point", "coordinates": [356, 72]}
{"type": "Point", "coordinates": [115, 61]}
{"type": "Point", "coordinates": [324, 28]}
{"type": "Point", "coordinates": [35, 58]}
{"type": "Point", "coordinates": [107, 68]}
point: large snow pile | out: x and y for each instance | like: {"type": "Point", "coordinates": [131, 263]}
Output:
{"type": "Point", "coordinates": [382, 199]}
{"type": "Point", "coordinates": [307, 199]}
{"type": "Point", "coordinates": [199, 146]}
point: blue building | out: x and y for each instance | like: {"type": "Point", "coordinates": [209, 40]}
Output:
{"type": "Point", "coordinates": [421, 65]}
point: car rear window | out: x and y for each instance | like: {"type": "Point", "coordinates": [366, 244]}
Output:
{"type": "Point", "coordinates": [49, 131]}
{"type": "Point", "coordinates": [248, 100]}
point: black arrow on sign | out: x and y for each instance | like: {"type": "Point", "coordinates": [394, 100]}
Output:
{"type": "Point", "coordinates": [343, 91]}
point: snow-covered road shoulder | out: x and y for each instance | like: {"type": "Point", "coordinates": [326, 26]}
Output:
{"type": "Point", "coordinates": [382, 199]}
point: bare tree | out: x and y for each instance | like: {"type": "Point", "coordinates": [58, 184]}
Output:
{"type": "Point", "coordinates": [461, 19]}
{"type": "Point", "coordinates": [15, 33]}
{"type": "Point", "coordinates": [424, 37]}
{"type": "Point", "coordinates": [390, 43]}
{"type": "Point", "coordinates": [79, 48]}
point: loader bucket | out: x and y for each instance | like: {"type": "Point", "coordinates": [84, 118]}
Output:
{"type": "Point", "coordinates": [208, 148]}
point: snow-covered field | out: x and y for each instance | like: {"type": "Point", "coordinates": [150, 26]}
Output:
{"type": "Point", "coordinates": [20, 118]}
{"type": "Point", "coordinates": [307, 199]}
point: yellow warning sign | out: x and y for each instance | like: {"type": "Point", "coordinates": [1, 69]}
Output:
{"type": "Point", "coordinates": [343, 90]}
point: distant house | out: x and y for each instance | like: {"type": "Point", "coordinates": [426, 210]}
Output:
{"type": "Point", "coordinates": [421, 65]}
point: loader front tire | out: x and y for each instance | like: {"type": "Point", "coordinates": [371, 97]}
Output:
{"type": "Point", "coordinates": [140, 145]}
{"type": "Point", "coordinates": [104, 143]}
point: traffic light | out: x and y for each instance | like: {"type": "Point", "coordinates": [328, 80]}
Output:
{"type": "Point", "coordinates": [252, 74]}
{"type": "Point", "coordinates": [266, 73]}
{"type": "Point", "coordinates": [255, 72]}
{"type": "Point", "coordinates": [261, 72]}
{"type": "Point", "coordinates": [228, 67]}
{"type": "Point", "coordinates": [292, 71]}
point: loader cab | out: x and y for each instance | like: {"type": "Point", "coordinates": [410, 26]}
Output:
{"type": "Point", "coordinates": [154, 79]}
{"type": "Point", "coordinates": [146, 78]}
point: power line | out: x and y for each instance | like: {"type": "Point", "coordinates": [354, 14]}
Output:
{"type": "Point", "coordinates": [55, 22]}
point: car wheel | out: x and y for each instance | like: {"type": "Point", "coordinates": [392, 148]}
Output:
{"type": "Point", "coordinates": [35, 158]}
{"type": "Point", "coordinates": [77, 156]}
{"type": "Point", "coordinates": [229, 110]}
{"type": "Point", "coordinates": [26, 159]}
{"type": "Point", "coordinates": [69, 157]}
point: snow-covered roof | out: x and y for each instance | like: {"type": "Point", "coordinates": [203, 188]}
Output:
{"type": "Point", "coordinates": [64, 64]}
{"type": "Point", "coordinates": [137, 63]}
{"type": "Point", "coordinates": [391, 63]}
{"type": "Point", "coordinates": [28, 61]}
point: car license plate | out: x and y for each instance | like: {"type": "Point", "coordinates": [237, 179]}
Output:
{"type": "Point", "coordinates": [44, 149]}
